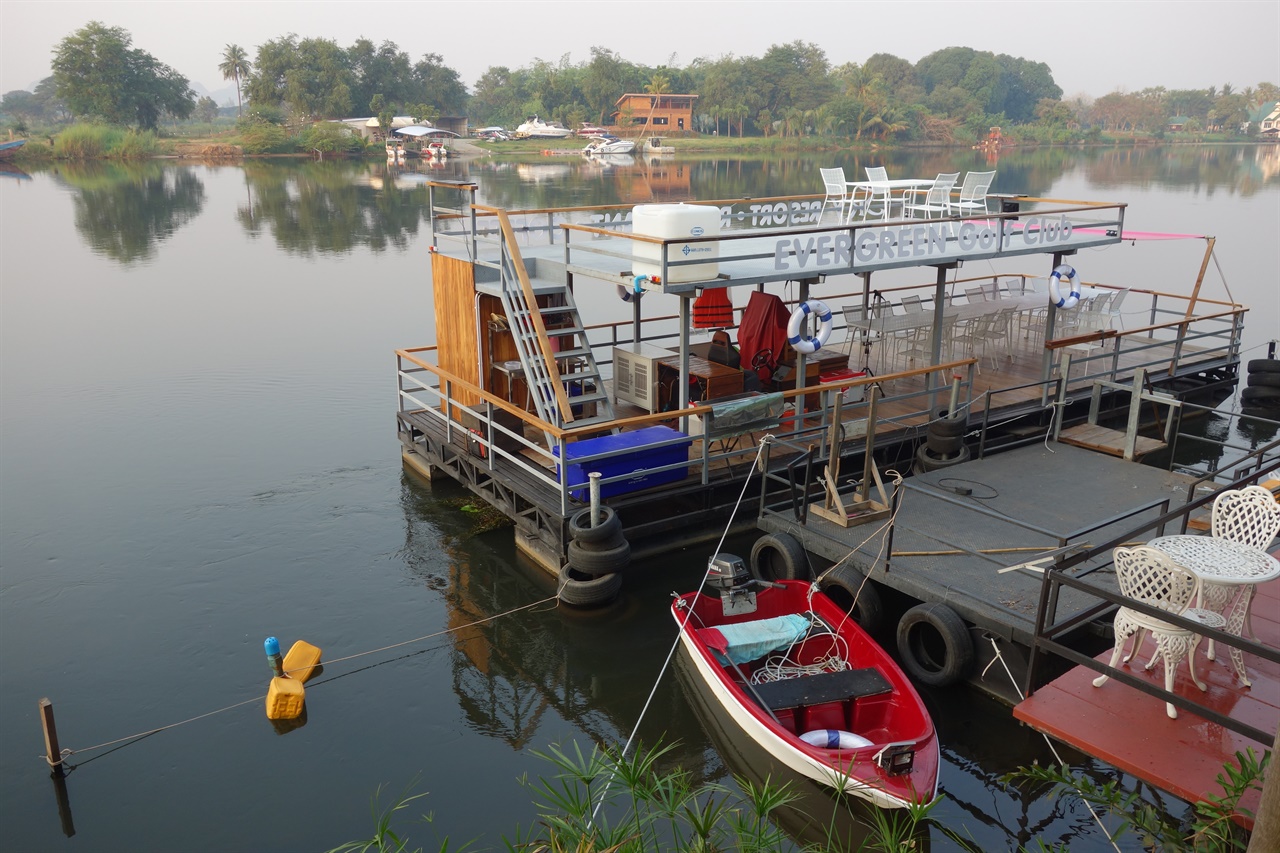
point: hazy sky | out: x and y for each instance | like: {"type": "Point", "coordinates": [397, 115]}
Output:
{"type": "Point", "coordinates": [1092, 46]}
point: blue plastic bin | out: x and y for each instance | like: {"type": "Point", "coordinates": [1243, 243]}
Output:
{"type": "Point", "coordinates": [636, 451]}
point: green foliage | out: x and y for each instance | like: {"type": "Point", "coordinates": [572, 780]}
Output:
{"type": "Point", "coordinates": [1211, 829]}
{"type": "Point", "coordinates": [385, 839]}
{"type": "Point", "coordinates": [259, 136]}
{"type": "Point", "coordinates": [97, 73]}
{"type": "Point", "coordinates": [331, 137]}
{"type": "Point", "coordinates": [104, 142]}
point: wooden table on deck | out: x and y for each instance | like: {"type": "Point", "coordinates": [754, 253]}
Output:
{"type": "Point", "coordinates": [713, 380]}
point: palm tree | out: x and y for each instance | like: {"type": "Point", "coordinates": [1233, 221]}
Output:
{"type": "Point", "coordinates": [658, 86]}
{"type": "Point", "coordinates": [235, 65]}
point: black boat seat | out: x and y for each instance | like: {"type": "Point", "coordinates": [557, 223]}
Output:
{"type": "Point", "coordinates": [822, 687]}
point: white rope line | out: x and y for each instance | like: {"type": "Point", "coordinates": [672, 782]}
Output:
{"type": "Point", "coordinates": [66, 753]}
{"type": "Point", "coordinates": [1052, 748]}
{"type": "Point", "coordinates": [680, 633]}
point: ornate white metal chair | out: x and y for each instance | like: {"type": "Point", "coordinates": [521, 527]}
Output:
{"type": "Point", "coordinates": [1149, 576]}
{"type": "Point", "coordinates": [837, 194]}
{"type": "Point", "coordinates": [1249, 517]}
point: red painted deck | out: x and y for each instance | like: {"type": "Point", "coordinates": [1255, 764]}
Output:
{"type": "Point", "coordinates": [1131, 731]}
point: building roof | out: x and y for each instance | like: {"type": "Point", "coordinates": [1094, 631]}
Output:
{"type": "Point", "coordinates": [649, 95]}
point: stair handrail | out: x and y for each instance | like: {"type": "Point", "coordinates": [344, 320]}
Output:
{"type": "Point", "coordinates": [540, 328]}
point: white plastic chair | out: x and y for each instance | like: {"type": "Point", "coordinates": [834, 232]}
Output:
{"type": "Point", "coordinates": [973, 194]}
{"type": "Point", "coordinates": [1113, 310]}
{"type": "Point", "coordinates": [933, 200]}
{"type": "Point", "coordinates": [838, 195]}
{"type": "Point", "coordinates": [1149, 576]}
{"type": "Point", "coordinates": [880, 200]}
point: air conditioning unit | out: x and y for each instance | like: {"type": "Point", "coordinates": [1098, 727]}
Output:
{"type": "Point", "coordinates": [635, 374]}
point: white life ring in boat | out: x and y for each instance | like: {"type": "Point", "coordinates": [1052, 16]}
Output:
{"type": "Point", "coordinates": [834, 739]}
{"type": "Point", "coordinates": [1060, 272]}
{"type": "Point", "coordinates": [807, 345]}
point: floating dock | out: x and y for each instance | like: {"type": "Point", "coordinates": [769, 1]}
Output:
{"type": "Point", "coordinates": [1131, 731]}
{"type": "Point", "coordinates": [956, 532]}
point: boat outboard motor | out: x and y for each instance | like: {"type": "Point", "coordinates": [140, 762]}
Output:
{"type": "Point", "coordinates": [729, 575]}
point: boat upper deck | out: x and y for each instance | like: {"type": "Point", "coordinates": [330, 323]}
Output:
{"type": "Point", "coordinates": [756, 242]}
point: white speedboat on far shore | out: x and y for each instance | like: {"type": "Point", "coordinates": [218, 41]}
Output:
{"type": "Point", "coordinates": [536, 128]}
{"type": "Point", "coordinates": [607, 143]}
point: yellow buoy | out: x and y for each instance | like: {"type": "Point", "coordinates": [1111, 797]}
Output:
{"type": "Point", "coordinates": [301, 662]}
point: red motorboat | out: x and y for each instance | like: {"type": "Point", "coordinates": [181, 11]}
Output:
{"type": "Point", "coordinates": [802, 679]}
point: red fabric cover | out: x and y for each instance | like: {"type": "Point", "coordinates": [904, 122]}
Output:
{"type": "Point", "coordinates": [763, 333]}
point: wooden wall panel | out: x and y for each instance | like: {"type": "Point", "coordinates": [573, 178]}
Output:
{"type": "Point", "coordinates": [455, 309]}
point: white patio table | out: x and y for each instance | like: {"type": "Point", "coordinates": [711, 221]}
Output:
{"type": "Point", "coordinates": [1226, 575]}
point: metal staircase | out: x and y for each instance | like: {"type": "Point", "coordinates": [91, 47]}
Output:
{"type": "Point", "coordinates": [559, 366]}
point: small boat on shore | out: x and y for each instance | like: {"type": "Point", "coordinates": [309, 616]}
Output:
{"type": "Point", "coordinates": [607, 143]}
{"type": "Point", "coordinates": [804, 681]}
{"type": "Point", "coordinates": [8, 149]}
{"type": "Point", "coordinates": [536, 128]}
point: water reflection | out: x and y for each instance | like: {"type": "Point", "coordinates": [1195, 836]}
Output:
{"type": "Point", "coordinates": [318, 208]}
{"type": "Point", "coordinates": [329, 207]}
{"type": "Point", "coordinates": [532, 667]}
{"type": "Point", "coordinates": [124, 210]}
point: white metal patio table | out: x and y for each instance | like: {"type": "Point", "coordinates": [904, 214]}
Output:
{"type": "Point", "coordinates": [1226, 575]}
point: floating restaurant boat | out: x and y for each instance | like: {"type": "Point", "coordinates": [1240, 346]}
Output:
{"type": "Point", "coordinates": [531, 367]}
{"type": "Point", "coordinates": [801, 679]}
{"type": "Point", "coordinates": [541, 396]}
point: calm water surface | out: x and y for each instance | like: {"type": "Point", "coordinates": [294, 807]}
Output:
{"type": "Point", "coordinates": [197, 450]}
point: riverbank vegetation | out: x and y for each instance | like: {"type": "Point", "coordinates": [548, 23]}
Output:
{"type": "Point", "coordinates": [792, 95]}
{"type": "Point", "coordinates": [613, 803]}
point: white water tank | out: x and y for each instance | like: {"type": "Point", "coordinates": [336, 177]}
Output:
{"type": "Point", "coordinates": [675, 222]}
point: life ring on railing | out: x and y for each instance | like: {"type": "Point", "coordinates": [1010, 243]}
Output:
{"type": "Point", "coordinates": [807, 345]}
{"type": "Point", "coordinates": [1055, 282]}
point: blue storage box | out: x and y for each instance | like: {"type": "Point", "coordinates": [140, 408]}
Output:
{"type": "Point", "coordinates": [635, 452]}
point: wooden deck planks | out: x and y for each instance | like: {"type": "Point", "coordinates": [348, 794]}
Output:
{"type": "Point", "coordinates": [1131, 730]}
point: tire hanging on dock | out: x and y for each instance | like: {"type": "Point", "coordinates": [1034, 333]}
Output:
{"type": "Point", "coordinates": [779, 556]}
{"type": "Point", "coordinates": [856, 595]}
{"type": "Point", "coordinates": [1262, 394]}
{"type": "Point", "coordinates": [582, 590]}
{"type": "Point", "coordinates": [934, 644]}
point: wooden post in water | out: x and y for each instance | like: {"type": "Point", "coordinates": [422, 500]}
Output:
{"type": "Point", "coordinates": [52, 753]}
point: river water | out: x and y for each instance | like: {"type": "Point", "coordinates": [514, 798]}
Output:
{"type": "Point", "coordinates": [198, 450]}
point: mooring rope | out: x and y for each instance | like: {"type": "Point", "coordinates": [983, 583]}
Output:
{"type": "Point", "coordinates": [1052, 748]}
{"type": "Point", "coordinates": [67, 753]}
{"type": "Point", "coordinates": [755, 466]}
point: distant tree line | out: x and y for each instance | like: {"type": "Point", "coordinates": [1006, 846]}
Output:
{"type": "Point", "coordinates": [951, 95]}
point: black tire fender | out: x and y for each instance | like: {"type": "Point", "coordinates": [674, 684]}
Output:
{"type": "Point", "coordinates": [944, 445]}
{"type": "Point", "coordinates": [934, 644]}
{"type": "Point", "coordinates": [579, 590]}
{"type": "Point", "coordinates": [1264, 365]}
{"type": "Point", "coordinates": [926, 461]}
{"type": "Point", "coordinates": [948, 427]}
{"type": "Point", "coordinates": [580, 528]}
{"type": "Point", "coordinates": [779, 556]}
{"type": "Point", "coordinates": [860, 598]}
{"type": "Point", "coordinates": [1264, 380]}
{"type": "Point", "coordinates": [1261, 395]}
{"type": "Point", "coordinates": [596, 560]}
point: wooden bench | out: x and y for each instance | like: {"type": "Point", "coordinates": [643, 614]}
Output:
{"type": "Point", "coordinates": [823, 687]}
